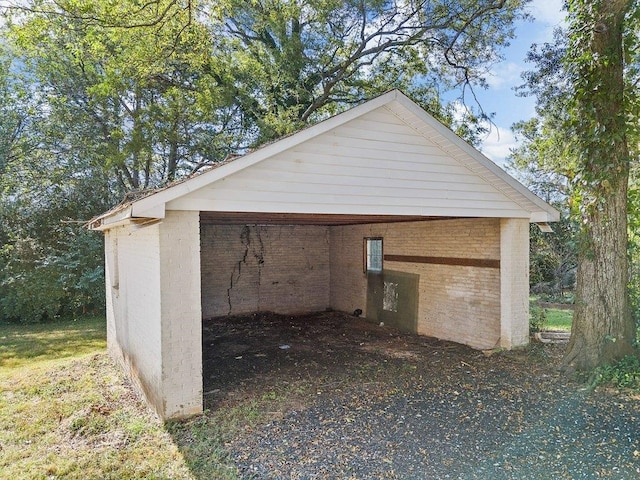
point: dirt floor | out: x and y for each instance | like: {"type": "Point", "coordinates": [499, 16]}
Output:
{"type": "Point", "coordinates": [353, 400]}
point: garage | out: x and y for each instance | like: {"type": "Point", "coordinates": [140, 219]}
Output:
{"type": "Point", "coordinates": [379, 212]}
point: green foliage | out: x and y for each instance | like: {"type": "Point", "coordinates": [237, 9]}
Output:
{"type": "Point", "coordinates": [137, 102]}
{"type": "Point", "coordinates": [42, 282]}
{"type": "Point", "coordinates": [298, 62]}
{"type": "Point", "coordinates": [102, 98]}
{"type": "Point", "coordinates": [585, 141]}
{"type": "Point", "coordinates": [553, 260]}
{"type": "Point", "coordinates": [634, 242]}
{"type": "Point", "coordinates": [622, 374]}
{"type": "Point", "coordinates": [537, 317]}
{"type": "Point", "coordinates": [597, 135]}
{"type": "Point", "coordinates": [51, 265]}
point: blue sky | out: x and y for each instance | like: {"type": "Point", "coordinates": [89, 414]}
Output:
{"type": "Point", "coordinates": [500, 98]}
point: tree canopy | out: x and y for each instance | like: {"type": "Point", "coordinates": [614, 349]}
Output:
{"type": "Point", "coordinates": [103, 98]}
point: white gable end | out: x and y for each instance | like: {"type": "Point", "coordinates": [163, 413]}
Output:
{"type": "Point", "coordinates": [384, 157]}
{"type": "Point", "coordinates": [375, 164]}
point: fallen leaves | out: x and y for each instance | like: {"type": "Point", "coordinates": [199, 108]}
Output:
{"type": "Point", "coordinates": [376, 405]}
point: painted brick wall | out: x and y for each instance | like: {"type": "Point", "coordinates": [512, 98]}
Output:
{"type": "Point", "coordinates": [181, 314]}
{"type": "Point", "coordinates": [133, 306]}
{"type": "Point", "coordinates": [514, 271]}
{"type": "Point", "coordinates": [284, 269]}
{"type": "Point", "coordinates": [456, 302]}
{"type": "Point", "coordinates": [111, 278]}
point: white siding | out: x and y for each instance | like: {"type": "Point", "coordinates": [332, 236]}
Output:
{"type": "Point", "coordinates": [374, 164]}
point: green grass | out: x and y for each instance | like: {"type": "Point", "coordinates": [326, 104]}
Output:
{"type": "Point", "coordinates": [24, 344]}
{"type": "Point", "coordinates": [558, 319]}
{"type": "Point", "coordinates": [66, 411]}
{"type": "Point", "coordinates": [546, 318]}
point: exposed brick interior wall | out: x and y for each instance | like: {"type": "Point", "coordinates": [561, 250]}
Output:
{"type": "Point", "coordinates": [292, 269]}
{"type": "Point", "coordinates": [284, 269]}
{"type": "Point", "coordinates": [459, 303]}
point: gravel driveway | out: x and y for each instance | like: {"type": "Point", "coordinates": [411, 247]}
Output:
{"type": "Point", "coordinates": [345, 399]}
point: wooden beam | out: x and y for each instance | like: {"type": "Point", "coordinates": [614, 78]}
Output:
{"type": "Point", "coordinates": [244, 218]}
{"type": "Point", "coordinates": [464, 262]}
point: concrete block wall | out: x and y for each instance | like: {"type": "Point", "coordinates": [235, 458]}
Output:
{"type": "Point", "coordinates": [279, 268]}
{"type": "Point", "coordinates": [514, 280]}
{"type": "Point", "coordinates": [112, 279]}
{"type": "Point", "coordinates": [458, 303]}
{"type": "Point", "coordinates": [133, 306]}
{"type": "Point", "coordinates": [181, 314]}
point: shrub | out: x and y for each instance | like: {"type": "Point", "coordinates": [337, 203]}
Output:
{"type": "Point", "coordinates": [623, 374]}
{"type": "Point", "coordinates": [40, 282]}
{"type": "Point", "coordinates": [537, 317]}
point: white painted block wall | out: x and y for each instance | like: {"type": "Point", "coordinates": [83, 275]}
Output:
{"type": "Point", "coordinates": [133, 306]}
{"type": "Point", "coordinates": [514, 282]}
{"type": "Point", "coordinates": [153, 310]}
{"type": "Point", "coordinates": [181, 314]}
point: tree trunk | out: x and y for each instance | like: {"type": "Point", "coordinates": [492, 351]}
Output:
{"type": "Point", "coordinates": [603, 330]}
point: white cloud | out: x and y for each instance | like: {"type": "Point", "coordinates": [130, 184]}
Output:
{"type": "Point", "coordinates": [548, 11]}
{"type": "Point", "coordinates": [498, 144]}
{"type": "Point", "coordinates": [549, 15]}
{"type": "Point", "coordinates": [505, 74]}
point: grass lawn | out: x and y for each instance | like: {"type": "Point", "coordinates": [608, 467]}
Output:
{"type": "Point", "coordinates": [546, 316]}
{"type": "Point", "coordinates": [67, 412]}
{"type": "Point", "coordinates": [558, 319]}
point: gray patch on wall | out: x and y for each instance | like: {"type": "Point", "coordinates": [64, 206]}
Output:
{"type": "Point", "coordinates": [392, 298]}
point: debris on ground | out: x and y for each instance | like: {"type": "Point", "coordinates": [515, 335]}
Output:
{"type": "Point", "coordinates": [353, 399]}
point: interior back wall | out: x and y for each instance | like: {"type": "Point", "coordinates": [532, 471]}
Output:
{"type": "Point", "coordinates": [278, 268]}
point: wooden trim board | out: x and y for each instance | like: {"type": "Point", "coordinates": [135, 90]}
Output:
{"type": "Point", "coordinates": [464, 262]}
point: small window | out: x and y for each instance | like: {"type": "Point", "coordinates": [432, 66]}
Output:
{"type": "Point", "coordinates": [112, 263]}
{"type": "Point", "coordinates": [373, 255]}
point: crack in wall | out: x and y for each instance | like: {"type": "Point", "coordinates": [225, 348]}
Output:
{"type": "Point", "coordinates": [258, 255]}
{"type": "Point", "coordinates": [245, 238]}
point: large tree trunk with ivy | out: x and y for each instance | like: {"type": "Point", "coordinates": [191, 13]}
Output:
{"type": "Point", "coordinates": [603, 328]}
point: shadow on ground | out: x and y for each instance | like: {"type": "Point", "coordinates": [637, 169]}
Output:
{"type": "Point", "coordinates": [332, 396]}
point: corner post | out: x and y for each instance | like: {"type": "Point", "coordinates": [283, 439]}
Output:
{"type": "Point", "coordinates": [181, 314]}
{"type": "Point", "coordinates": [514, 282]}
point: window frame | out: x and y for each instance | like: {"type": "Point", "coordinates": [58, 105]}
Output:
{"type": "Point", "coordinates": [367, 256]}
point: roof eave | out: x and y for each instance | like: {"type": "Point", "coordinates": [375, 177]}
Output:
{"type": "Point", "coordinates": [112, 219]}
{"type": "Point", "coordinates": [549, 214]}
